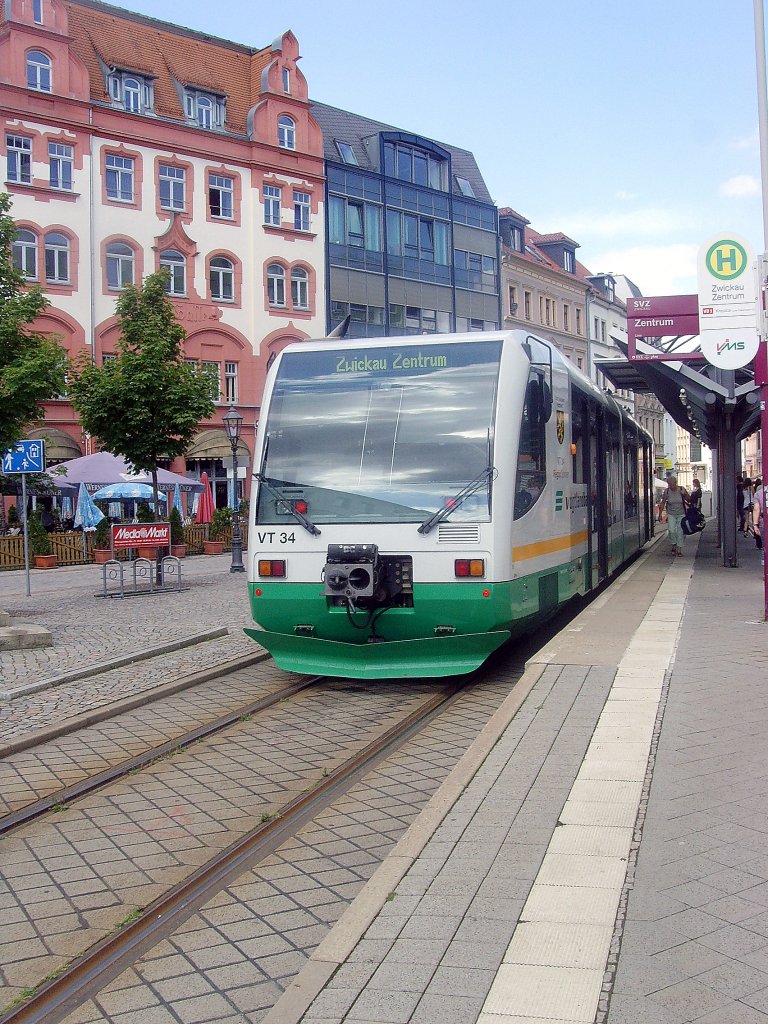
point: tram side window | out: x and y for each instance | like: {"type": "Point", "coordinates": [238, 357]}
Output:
{"type": "Point", "coordinates": [578, 435]}
{"type": "Point", "coordinates": [630, 481]}
{"type": "Point", "coordinates": [531, 453]}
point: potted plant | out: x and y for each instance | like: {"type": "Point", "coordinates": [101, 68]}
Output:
{"type": "Point", "coordinates": [144, 515]}
{"type": "Point", "coordinates": [102, 542]}
{"type": "Point", "coordinates": [178, 546]}
{"type": "Point", "coordinates": [222, 518]}
{"type": "Point", "coordinates": [40, 543]}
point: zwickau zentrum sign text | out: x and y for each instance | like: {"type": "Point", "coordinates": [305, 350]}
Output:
{"type": "Point", "coordinates": [728, 312]}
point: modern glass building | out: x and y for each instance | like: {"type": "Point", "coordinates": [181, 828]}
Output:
{"type": "Point", "coordinates": [412, 233]}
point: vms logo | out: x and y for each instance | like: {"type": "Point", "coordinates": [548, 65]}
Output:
{"type": "Point", "coordinates": [730, 346]}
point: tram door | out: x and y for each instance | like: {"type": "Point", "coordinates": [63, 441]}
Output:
{"type": "Point", "coordinates": [599, 492]}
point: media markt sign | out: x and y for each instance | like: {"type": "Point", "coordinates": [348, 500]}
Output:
{"type": "Point", "coordinates": [728, 312]}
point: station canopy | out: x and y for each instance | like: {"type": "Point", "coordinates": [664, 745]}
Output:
{"type": "Point", "coordinates": [698, 396]}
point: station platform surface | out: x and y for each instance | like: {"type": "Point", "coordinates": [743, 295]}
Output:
{"type": "Point", "coordinates": [599, 854]}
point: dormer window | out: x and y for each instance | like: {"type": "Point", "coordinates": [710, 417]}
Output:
{"type": "Point", "coordinates": [569, 261]}
{"type": "Point", "coordinates": [610, 289]}
{"type": "Point", "coordinates": [38, 71]}
{"type": "Point", "coordinates": [134, 92]}
{"type": "Point", "coordinates": [410, 163]}
{"type": "Point", "coordinates": [207, 109]}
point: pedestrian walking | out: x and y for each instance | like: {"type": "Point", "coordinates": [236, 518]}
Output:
{"type": "Point", "coordinates": [694, 499]}
{"type": "Point", "coordinates": [674, 502]}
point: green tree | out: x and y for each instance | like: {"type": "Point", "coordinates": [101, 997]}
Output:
{"type": "Point", "coordinates": [146, 403]}
{"type": "Point", "coordinates": [33, 366]}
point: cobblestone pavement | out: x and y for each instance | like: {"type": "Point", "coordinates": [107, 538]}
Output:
{"type": "Point", "coordinates": [89, 630]}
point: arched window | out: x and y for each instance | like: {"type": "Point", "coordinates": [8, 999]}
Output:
{"type": "Point", "coordinates": [299, 288]}
{"type": "Point", "coordinates": [275, 285]}
{"type": "Point", "coordinates": [132, 95]}
{"type": "Point", "coordinates": [222, 278]}
{"type": "Point", "coordinates": [56, 258]}
{"type": "Point", "coordinates": [174, 262]}
{"type": "Point", "coordinates": [121, 261]}
{"type": "Point", "coordinates": [286, 132]}
{"type": "Point", "coordinates": [25, 254]}
{"type": "Point", "coordinates": [204, 112]}
{"type": "Point", "coordinates": [38, 71]}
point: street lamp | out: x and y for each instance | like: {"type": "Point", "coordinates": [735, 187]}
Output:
{"type": "Point", "coordinates": [233, 424]}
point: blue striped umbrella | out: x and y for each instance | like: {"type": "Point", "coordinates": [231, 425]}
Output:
{"type": "Point", "coordinates": [87, 513]}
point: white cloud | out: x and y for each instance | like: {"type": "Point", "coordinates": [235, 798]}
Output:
{"type": "Point", "coordinates": [751, 141]}
{"type": "Point", "coordinates": [625, 196]}
{"type": "Point", "coordinates": [741, 185]}
{"type": "Point", "coordinates": [655, 269]}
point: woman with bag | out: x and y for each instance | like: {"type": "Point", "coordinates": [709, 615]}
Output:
{"type": "Point", "coordinates": [674, 503]}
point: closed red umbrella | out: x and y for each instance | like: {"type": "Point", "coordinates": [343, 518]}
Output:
{"type": "Point", "coordinates": [205, 504]}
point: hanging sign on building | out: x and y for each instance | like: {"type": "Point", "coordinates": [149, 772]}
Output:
{"type": "Point", "coordinates": [728, 310]}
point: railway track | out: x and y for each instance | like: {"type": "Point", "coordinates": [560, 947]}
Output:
{"type": "Point", "coordinates": [56, 998]}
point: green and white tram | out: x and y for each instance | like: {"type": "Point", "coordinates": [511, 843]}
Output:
{"type": "Point", "coordinates": [419, 501]}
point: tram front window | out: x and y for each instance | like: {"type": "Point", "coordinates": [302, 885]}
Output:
{"type": "Point", "coordinates": [381, 435]}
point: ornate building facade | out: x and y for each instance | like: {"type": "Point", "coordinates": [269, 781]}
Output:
{"type": "Point", "coordinates": [128, 145]}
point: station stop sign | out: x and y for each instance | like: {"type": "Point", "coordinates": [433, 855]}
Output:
{"type": "Point", "coordinates": [728, 310]}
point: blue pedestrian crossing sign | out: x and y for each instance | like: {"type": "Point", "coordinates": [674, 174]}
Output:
{"type": "Point", "coordinates": [24, 457]}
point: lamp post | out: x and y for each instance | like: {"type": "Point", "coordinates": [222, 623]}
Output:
{"type": "Point", "coordinates": [233, 424]}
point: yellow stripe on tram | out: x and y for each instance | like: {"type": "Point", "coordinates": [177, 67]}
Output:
{"type": "Point", "coordinates": [547, 547]}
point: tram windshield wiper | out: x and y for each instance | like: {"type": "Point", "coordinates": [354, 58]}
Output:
{"type": "Point", "coordinates": [453, 503]}
{"type": "Point", "coordinates": [287, 505]}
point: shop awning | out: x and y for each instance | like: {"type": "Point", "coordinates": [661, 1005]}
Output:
{"type": "Point", "coordinates": [214, 444]}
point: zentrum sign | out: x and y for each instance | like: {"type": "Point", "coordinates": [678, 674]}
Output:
{"type": "Point", "coordinates": [728, 310]}
{"type": "Point", "coordinates": [136, 535]}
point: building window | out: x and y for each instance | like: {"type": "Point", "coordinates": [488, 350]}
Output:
{"type": "Point", "coordinates": [25, 254]}
{"type": "Point", "coordinates": [346, 152]}
{"type": "Point", "coordinates": [512, 300]}
{"type": "Point", "coordinates": [172, 183]}
{"type": "Point", "coordinates": [578, 321]}
{"type": "Point", "coordinates": [134, 92]}
{"type": "Point", "coordinates": [299, 288]}
{"type": "Point", "coordinates": [568, 261]}
{"type": "Point", "coordinates": [527, 305]}
{"type": "Point", "coordinates": [19, 150]}
{"type": "Point", "coordinates": [120, 170]}
{"type": "Point", "coordinates": [272, 214]}
{"type": "Point", "coordinates": [286, 132]}
{"type": "Point", "coordinates": [221, 192]}
{"type": "Point", "coordinates": [230, 383]}
{"type": "Point", "coordinates": [38, 71]}
{"type": "Point", "coordinates": [602, 330]}
{"type": "Point", "coordinates": [209, 111]}
{"type": "Point", "coordinates": [516, 238]}
{"type": "Point", "coordinates": [417, 237]}
{"type": "Point", "coordinates": [596, 328]}
{"type": "Point", "coordinates": [174, 262]}
{"type": "Point", "coordinates": [275, 285]}
{"type": "Point", "coordinates": [37, 11]}
{"type": "Point", "coordinates": [120, 266]}
{"type": "Point", "coordinates": [415, 320]}
{"type": "Point", "coordinates": [222, 279]}
{"type": "Point", "coordinates": [217, 366]}
{"type": "Point", "coordinates": [286, 80]}
{"type": "Point", "coordinates": [301, 210]}
{"type": "Point", "coordinates": [409, 163]}
{"type": "Point", "coordinates": [56, 258]}
{"type": "Point", "coordinates": [566, 317]}
{"type": "Point", "coordinates": [474, 271]}
{"type": "Point", "coordinates": [354, 223]}
{"type": "Point", "coordinates": [465, 187]}
{"type": "Point", "coordinates": [60, 164]}
{"type": "Point", "coordinates": [548, 304]}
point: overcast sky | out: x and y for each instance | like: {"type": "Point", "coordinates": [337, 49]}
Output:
{"type": "Point", "coordinates": [630, 126]}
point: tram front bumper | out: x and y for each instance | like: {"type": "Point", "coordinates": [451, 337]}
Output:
{"type": "Point", "coordinates": [439, 656]}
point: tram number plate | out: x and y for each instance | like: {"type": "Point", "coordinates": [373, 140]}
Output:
{"type": "Point", "coordinates": [275, 537]}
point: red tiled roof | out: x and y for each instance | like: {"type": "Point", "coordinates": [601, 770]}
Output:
{"type": "Point", "coordinates": [165, 52]}
{"type": "Point", "coordinates": [513, 213]}
{"type": "Point", "coordinates": [557, 236]}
